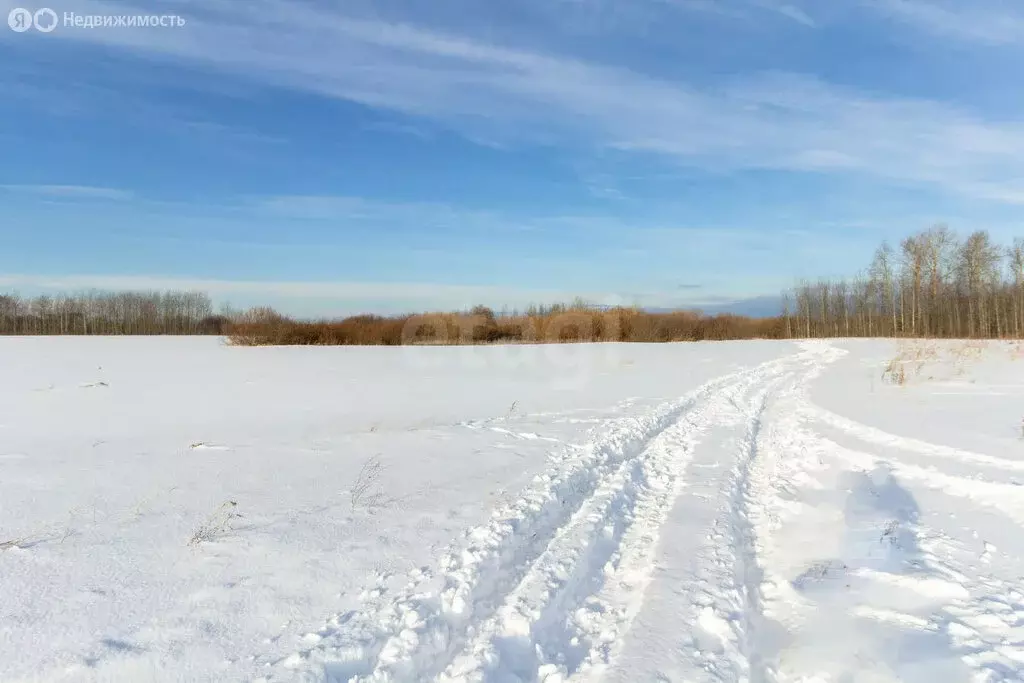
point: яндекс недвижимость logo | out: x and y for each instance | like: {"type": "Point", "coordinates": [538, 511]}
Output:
{"type": "Point", "coordinates": [21, 20]}
{"type": "Point", "coordinates": [46, 20]}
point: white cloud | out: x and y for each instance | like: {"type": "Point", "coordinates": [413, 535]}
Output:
{"type": "Point", "coordinates": [788, 10]}
{"type": "Point", "coordinates": [488, 91]}
{"type": "Point", "coordinates": [365, 212]}
{"type": "Point", "coordinates": [982, 21]}
{"type": "Point", "coordinates": [70, 191]}
{"type": "Point", "coordinates": [334, 298]}
{"type": "Point", "coordinates": [412, 291]}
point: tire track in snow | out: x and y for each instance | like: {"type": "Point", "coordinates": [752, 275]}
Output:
{"type": "Point", "coordinates": [855, 616]}
{"type": "Point", "coordinates": [728, 572]}
{"type": "Point", "coordinates": [1006, 499]}
{"type": "Point", "coordinates": [737, 607]}
{"type": "Point", "coordinates": [873, 435]}
{"type": "Point", "coordinates": [549, 628]}
{"type": "Point", "coordinates": [414, 635]}
{"type": "Point", "coordinates": [773, 448]}
{"type": "Point", "coordinates": [710, 589]}
{"type": "Point", "coordinates": [748, 571]}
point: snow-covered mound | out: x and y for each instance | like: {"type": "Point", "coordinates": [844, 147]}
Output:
{"type": "Point", "coordinates": [174, 509]}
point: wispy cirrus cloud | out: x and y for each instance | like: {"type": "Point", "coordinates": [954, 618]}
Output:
{"type": "Point", "coordinates": [334, 297]}
{"type": "Point", "coordinates": [70, 191]}
{"type": "Point", "coordinates": [330, 289]}
{"type": "Point", "coordinates": [747, 10]}
{"type": "Point", "coordinates": [488, 89]}
{"type": "Point", "coordinates": [788, 10]}
{"type": "Point", "coordinates": [369, 212]}
{"type": "Point", "coordinates": [989, 22]}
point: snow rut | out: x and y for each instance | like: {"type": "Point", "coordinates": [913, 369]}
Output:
{"type": "Point", "coordinates": [715, 584]}
{"type": "Point", "coordinates": [581, 594]}
{"type": "Point", "coordinates": [743, 539]}
{"type": "Point", "coordinates": [521, 597]}
{"type": "Point", "coordinates": [889, 590]}
{"type": "Point", "coordinates": [874, 436]}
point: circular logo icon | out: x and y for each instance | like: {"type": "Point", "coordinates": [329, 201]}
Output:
{"type": "Point", "coordinates": [45, 20]}
{"type": "Point", "coordinates": [19, 20]}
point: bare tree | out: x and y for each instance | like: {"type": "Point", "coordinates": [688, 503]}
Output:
{"type": "Point", "coordinates": [110, 313]}
{"type": "Point", "coordinates": [883, 282]}
{"type": "Point", "coordinates": [939, 286]}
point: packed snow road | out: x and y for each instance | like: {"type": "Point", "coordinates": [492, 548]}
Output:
{"type": "Point", "coordinates": [797, 514]}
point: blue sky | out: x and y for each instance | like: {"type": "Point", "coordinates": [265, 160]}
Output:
{"type": "Point", "coordinates": [331, 157]}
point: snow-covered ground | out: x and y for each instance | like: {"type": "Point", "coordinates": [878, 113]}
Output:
{"type": "Point", "coordinates": [173, 509]}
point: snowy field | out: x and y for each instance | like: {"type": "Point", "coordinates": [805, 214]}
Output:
{"type": "Point", "coordinates": [173, 509]}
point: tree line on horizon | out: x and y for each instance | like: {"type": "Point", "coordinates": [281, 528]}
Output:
{"type": "Point", "coordinates": [933, 284]}
{"type": "Point", "coordinates": [110, 313]}
{"type": "Point", "coordinates": [576, 322]}
{"type": "Point", "coordinates": [191, 313]}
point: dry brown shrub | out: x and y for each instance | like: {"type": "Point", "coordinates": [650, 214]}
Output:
{"type": "Point", "coordinates": [552, 324]}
